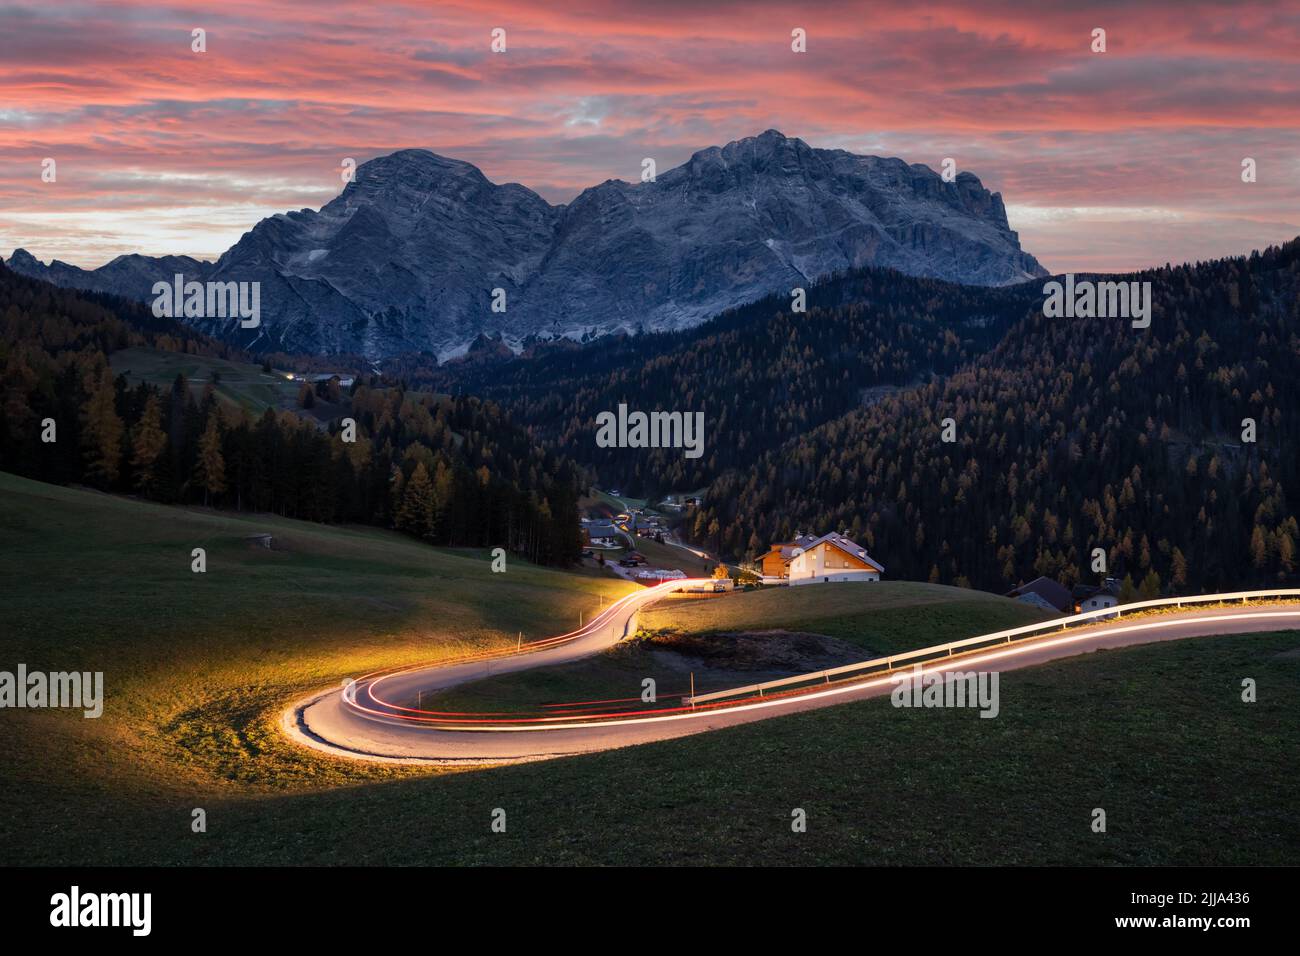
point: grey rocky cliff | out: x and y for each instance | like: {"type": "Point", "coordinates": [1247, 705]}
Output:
{"type": "Point", "coordinates": [407, 256]}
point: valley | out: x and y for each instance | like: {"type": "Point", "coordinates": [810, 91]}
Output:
{"type": "Point", "coordinates": [557, 436]}
{"type": "Point", "coordinates": [196, 672]}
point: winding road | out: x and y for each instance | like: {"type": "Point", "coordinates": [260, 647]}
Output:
{"type": "Point", "coordinates": [374, 717]}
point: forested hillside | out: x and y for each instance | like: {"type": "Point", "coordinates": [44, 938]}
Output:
{"type": "Point", "coordinates": [453, 471]}
{"type": "Point", "coordinates": [1071, 434]}
{"type": "Point", "coordinates": [761, 374]}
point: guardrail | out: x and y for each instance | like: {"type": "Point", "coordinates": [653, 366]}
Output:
{"type": "Point", "coordinates": [886, 664]}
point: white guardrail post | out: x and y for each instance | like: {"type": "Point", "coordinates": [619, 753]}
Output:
{"type": "Point", "coordinates": [1007, 636]}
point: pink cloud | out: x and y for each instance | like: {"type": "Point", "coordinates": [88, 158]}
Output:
{"type": "Point", "coordinates": [1106, 161]}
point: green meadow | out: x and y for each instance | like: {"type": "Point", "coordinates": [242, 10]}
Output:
{"type": "Point", "coordinates": [199, 667]}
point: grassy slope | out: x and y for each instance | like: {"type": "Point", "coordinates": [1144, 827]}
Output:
{"type": "Point", "coordinates": [241, 383]}
{"type": "Point", "coordinates": [669, 556]}
{"type": "Point", "coordinates": [613, 675]}
{"type": "Point", "coordinates": [615, 505]}
{"type": "Point", "coordinates": [1155, 735]}
{"type": "Point", "coordinates": [197, 666]}
{"type": "Point", "coordinates": [881, 618]}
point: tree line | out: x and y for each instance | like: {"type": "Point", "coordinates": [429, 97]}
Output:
{"type": "Point", "coordinates": [1174, 450]}
{"type": "Point", "coordinates": [1071, 435]}
{"type": "Point", "coordinates": [452, 471]}
{"type": "Point", "coordinates": [762, 374]}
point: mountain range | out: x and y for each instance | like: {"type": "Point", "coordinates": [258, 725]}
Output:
{"type": "Point", "coordinates": [407, 257]}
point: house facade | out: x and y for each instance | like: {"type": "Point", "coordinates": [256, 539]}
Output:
{"type": "Point", "coordinates": [774, 566]}
{"type": "Point", "coordinates": [601, 535]}
{"type": "Point", "coordinates": [1097, 602]}
{"type": "Point", "coordinates": [832, 558]}
{"type": "Point", "coordinates": [1088, 597]}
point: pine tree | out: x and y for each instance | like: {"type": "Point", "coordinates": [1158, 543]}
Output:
{"type": "Point", "coordinates": [1285, 544]}
{"type": "Point", "coordinates": [1150, 589]}
{"type": "Point", "coordinates": [441, 500]}
{"type": "Point", "coordinates": [1179, 569]}
{"type": "Point", "coordinates": [415, 515]}
{"type": "Point", "coordinates": [101, 433]}
{"type": "Point", "coordinates": [1258, 547]}
{"type": "Point", "coordinates": [147, 443]}
{"type": "Point", "coordinates": [211, 466]}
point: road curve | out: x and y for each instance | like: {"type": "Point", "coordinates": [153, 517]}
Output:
{"type": "Point", "coordinates": [365, 721]}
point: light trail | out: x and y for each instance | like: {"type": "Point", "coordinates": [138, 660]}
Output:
{"type": "Point", "coordinates": [588, 714]}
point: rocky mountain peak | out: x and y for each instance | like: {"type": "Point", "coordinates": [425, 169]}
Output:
{"type": "Point", "coordinates": [22, 260]}
{"type": "Point", "coordinates": [416, 252]}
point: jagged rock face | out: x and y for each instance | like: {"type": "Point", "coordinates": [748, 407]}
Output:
{"type": "Point", "coordinates": [407, 257]}
{"type": "Point", "coordinates": [129, 276]}
{"type": "Point", "coordinates": [757, 216]}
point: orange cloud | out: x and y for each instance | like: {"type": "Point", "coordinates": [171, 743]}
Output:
{"type": "Point", "coordinates": [1106, 161]}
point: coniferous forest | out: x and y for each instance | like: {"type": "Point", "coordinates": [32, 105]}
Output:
{"type": "Point", "coordinates": [451, 471]}
{"type": "Point", "coordinates": [761, 374]}
{"type": "Point", "coordinates": [1170, 448]}
{"type": "Point", "coordinates": [1070, 434]}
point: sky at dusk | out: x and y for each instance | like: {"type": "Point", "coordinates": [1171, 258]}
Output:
{"type": "Point", "coordinates": [1106, 162]}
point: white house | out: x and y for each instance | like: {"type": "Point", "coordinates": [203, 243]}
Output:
{"type": "Point", "coordinates": [774, 566]}
{"type": "Point", "coordinates": [832, 558]}
{"type": "Point", "coordinates": [1098, 601]}
{"type": "Point", "coordinates": [601, 534]}
{"type": "Point", "coordinates": [1090, 597]}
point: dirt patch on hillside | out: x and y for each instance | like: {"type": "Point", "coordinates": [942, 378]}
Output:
{"type": "Point", "coordinates": [772, 651]}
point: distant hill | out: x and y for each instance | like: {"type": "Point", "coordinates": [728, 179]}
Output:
{"type": "Point", "coordinates": [1071, 433]}
{"type": "Point", "coordinates": [761, 374]}
{"type": "Point", "coordinates": [131, 277]}
{"type": "Point", "coordinates": [448, 470]}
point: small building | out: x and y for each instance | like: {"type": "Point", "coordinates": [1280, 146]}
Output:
{"type": "Point", "coordinates": [1044, 593]}
{"type": "Point", "coordinates": [659, 574]}
{"type": "Point", "coordinates": [1088, 597]}
{"type": "Point", "coordinates": [601, 535]}
{"type": "Point", "coordinates": [832, 558]}
{"type": "Point", "coordinates": [344, 381]}
{"type": "Point", "coordinates": [774, 566]}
